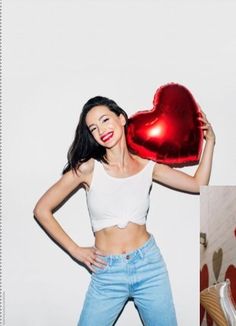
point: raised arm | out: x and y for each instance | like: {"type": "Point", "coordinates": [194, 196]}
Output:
{"type": "Point", "coordinates": [51, 199]}
{"type": "Point", "coordinates": [183, 181]}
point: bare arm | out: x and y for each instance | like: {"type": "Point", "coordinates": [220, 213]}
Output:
{"type": "Point", "coordinates": [51, 199]}
{"type": "Point", "coordinates": [183, 181]}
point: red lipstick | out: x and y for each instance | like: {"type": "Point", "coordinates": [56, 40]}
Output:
{"type": "Point", "coordinates": [107, 136]}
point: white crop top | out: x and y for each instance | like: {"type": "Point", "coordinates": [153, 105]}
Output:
{"type": "Point", "coordinates": [117, 201]}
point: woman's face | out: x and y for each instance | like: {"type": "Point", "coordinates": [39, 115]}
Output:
{"type": "Point", "coordinates": [105, 126]}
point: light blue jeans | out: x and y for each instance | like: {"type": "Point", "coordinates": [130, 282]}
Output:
{"type": "Point", "coordinates": [140, 275]}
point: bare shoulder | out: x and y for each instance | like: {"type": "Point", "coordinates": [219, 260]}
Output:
{"type": "Point", "coordinates": [86, 171]}
{"type": "Point", "coordinates": [157, 168]}
{"type": "Point", "coordinates": [64, 186]}
{"type": "Point", "coordinates": [140, 160]}
{"type": "Point", "coordinates": [80, 176]}
{"type": "Point", "coordinates": [86, 168]}
{"type": "Point", "coordinates": [161, 170]}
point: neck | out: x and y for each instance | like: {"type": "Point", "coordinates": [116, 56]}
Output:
{"type": "Point", "coordinates": [119, 155]}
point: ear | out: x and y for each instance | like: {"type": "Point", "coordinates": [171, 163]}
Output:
{"type": "Point", "coordinates": [122, 119]}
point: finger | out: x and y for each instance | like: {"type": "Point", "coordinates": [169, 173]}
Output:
{"type": "Point", "coordinates": [96, 258]}
{"type": "Point", "coordinates": [204, 121]}
{"type": "Point", "coordinates": [201, 114]}
{"type": "Point", "coordinates": [100, 253]}
{"type": "Point", "coordinates": [89, 264]}
{"type": "Point", "coordinates": [91, 267]}
{"type": "Point", "coordinates": [95, 261]}
{"type": "Point", "coordinates": [101, 261]}
{"type": "Point", "coordinates": [201, 119]}
{"type": "Point", "coordinates": [93, 256]}
{"type": "Point", "coordinates": [102, 266]}
{"type": "Point", "coordinates": [90, 261]}
{"type": "Point", "coordinates": [206, 126]}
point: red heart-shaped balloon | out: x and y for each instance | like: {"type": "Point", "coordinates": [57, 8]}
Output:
{"type": "Point", "coordinates": [168, 133]}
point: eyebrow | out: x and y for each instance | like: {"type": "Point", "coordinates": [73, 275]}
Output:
{"type": "Point", "coordinates": [98, 119]}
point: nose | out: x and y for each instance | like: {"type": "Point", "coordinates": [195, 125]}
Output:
{"type": "Point", "coordinates": [101, 130]}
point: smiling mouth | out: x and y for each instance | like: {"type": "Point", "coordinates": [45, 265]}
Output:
{"type": "Point", "coordinates": [107, 136]}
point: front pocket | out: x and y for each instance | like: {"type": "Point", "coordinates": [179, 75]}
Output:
{"type": "Point", "coordinates": [153, 255]}
{"type": "Point", "coordinates": [99, 270]}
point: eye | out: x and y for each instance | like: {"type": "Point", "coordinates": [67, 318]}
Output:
{"type": "Point", "coordinates": [92, 129]}
{"type": "Point", "coordinates": [105, 119]}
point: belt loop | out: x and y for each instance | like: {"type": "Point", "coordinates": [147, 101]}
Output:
{"type": "Point", "coordinates": [109, 260]}
{"type": "Point", "coordinates": [140, 253]}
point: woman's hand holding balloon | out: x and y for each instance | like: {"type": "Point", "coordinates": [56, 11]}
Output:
{"type": "Point", "coordinates": [206, 126]}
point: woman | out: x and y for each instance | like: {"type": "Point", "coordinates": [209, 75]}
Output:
{"type": "Point", "coordinates": [125, 261]}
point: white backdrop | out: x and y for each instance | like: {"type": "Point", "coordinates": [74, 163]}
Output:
{"type": "Point", "coordinates": [57, 55]}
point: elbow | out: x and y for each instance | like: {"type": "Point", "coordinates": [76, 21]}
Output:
{"type": "Point", "coordinates": [36, 212]}
{"type": "Point", "coordinates": [201, 182]}
{"type": "Point", "coordinates": [39, 212]}
{"type": "Point", "coordinates": [195, 187]}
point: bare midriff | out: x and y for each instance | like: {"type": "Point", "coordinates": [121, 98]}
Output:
{"type": "Point", "coordinates": [114, 240]}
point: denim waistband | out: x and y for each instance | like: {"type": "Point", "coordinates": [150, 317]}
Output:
{"type": "Point", "coordinates": [139, 252]}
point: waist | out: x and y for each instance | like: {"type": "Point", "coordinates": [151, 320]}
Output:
{"type": "Point", "coordinates": [114, 240]}
{"type": "Point", "coordinates": [138, 252]}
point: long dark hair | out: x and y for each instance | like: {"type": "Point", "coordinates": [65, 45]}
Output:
{"type": "Point", "coordinates": [84, 146]}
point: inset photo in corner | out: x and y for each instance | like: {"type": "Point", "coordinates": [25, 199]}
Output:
{"type": "Point", "coordinates": [218, 256]}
